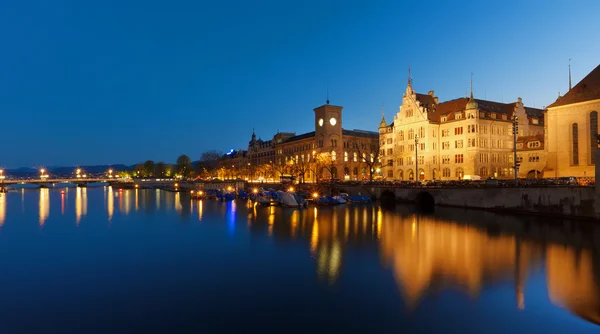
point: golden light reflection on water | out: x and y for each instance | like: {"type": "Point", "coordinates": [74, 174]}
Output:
{"type": "Point", "coordinates": [157, 198]}
{"type": "Point", "coordinates": [137, 200]}
{"type": "Point", "coordinates": [80, 204]}
{"type": "Point", "coordinates": [572, 283]}
{"type": "Point", "coordinates": [426, 252]}
{"type": "Point", "coordinates": [178, 202]}
{"type": "Point", "coordinates": [110, 206]}
{"type": "Point", "coordinates": [2, 208]}
{"type": "Point", "coordinates": [44, 205]}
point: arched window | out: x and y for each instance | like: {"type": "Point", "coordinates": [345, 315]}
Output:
{"type": "Point", "coordinates": [593, 133]}
{"type": "Point", "coordinates": [575, 140]}
{"type": "Point", "coordinates": [346, 156]}
{"type": "Point", "coordinates": [446, 172]}
{"type": "Point", "coordinates": [346, 171]}
{"type": "Point", "coordinates": [411, 174]}
{"type": "Point", "coordinates": [333, 172]}
{"type": "Point", "coordinates": [333, 155]}
{"type": "Point", "coordinates": [483, 172]}
{"type": "Point", "coordinates": [355, 170]}
{"type": "Point", "coordinates": [355, 157]}
{"type": "Point", "coordinates": [434, 174]}
{"type": "Point", "coordinates": [400, 174]}
{"type": "Point", "coordinates": [460, 173]}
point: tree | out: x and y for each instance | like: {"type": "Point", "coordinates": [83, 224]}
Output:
{"type": "Point", "coordinates": [138, 170]}
{"type": "Point", "coordinates": [208, 163]}
{"type": "Point", "coordinates": [325, 161]}
{"type": "Point", "coordinates": [160, 169]}
{"type": "Point", "coordinates": [183, 165]}
{"type": "Point", "coordinates": [148, 168]}
{"type": "Point", "coordinates": [368, 153]}
{"type": "Point", "coordinates": [299, 166]}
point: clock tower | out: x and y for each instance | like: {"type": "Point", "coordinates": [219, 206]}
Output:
{"type": "Point", "coordinates": [328, 130]}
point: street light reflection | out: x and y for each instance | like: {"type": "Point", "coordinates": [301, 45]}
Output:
{"type": "Point", "coordinates": [110, 203]}
{"type": "Point", "coordinates": [44, 205]}
{"type": "Point", "coordinates": [2, 208]}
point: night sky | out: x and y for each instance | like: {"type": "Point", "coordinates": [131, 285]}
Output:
{"type": "Point", "coordinates": [106, 82]}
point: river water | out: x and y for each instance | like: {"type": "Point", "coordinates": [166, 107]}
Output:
{"type": "Point", "coordinates": [147, 261]}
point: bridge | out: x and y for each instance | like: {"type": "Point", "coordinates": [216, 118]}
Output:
{"type": "Point", "coordinates": [63, 180]}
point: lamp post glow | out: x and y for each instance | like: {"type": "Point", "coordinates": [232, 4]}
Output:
{"type": "Point", "coordinates": [78, 172]}
{"type": "Point", "coordinates": [43, 175]}
{"type": "Point", "coordinates": [110, 171]}
{"type": "Point", "coordinates": [515, 120]}
{"type": "Point", "coordinates": [2, 175]}
{"type": "Point", "coordinates": [417, 158]}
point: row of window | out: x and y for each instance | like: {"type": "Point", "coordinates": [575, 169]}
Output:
{"type": "Point", "coordinates": [447, 173]}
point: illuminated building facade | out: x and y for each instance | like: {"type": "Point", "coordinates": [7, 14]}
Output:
{"type": "Point", "coordinates": [572, 126]}
{"type": "Point", "coordinates": [328, 152]}
{"type": "Point", "coordinates": [452, 139]}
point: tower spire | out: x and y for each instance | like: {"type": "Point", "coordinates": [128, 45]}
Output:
{"type": "Point", "coordinates": [472, 104]}
{"type": "Point", "coordinates": [383, 123]}
{"type": "Point", "coordinates": [471, 85]}
{"type": "Point", "coordinates": [327, 95]}
{"type": "Point", "coordinates": [569, 73]}
{"type": "Point", "coordinates": [409, 78]}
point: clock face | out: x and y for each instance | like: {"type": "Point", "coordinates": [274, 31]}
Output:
{"type": "Point", "coordinates": [332, 121]}
{"type": "Point", "coordinates": [320, 122]}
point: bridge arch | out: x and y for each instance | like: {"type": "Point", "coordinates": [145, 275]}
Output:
{"type": "Point", "coordinates": [388, 198]}
{"type": "Point", "coordinates": [425, 202]}
{"type": "Point", "coordinates": [534, 174]}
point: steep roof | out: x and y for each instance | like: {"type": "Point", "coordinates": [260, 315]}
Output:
{"type": "Point", "coordinates": [429, 101]}
{"type": "Point", "coordinates": [586, 90]}
{"type": "Point", "coordinates": [300, 137]}
{"type": "Point", "coordinates": [360, 133]}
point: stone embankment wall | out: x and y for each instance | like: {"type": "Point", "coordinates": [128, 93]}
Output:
{"type": "Point", "coordinates": [574, 202]}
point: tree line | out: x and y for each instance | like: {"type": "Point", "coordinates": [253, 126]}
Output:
{"type": "Point", "coordinates": [183, 167]}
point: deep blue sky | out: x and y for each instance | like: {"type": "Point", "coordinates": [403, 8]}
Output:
{"type": "Point", "coordinates": [95, 82]}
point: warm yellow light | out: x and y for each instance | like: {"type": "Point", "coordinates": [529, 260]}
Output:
{"type": "Point", "coordinates": [255, 190]}
{"type": "Point", "coordinates": [315, 195]}
{"type": "Point", "coordinates": [78, 170]}
{"type": "Point", "coordinates": [191, 191]}
{"type": "Point", "coordinates": [42, 170]}
{"type": "Point", "coordinates": [136, 185]}
{"type": "Point", "coordinates": [110, 171]}
{"type": "Point", "coordinates": [291, 189]}
{"type": "Point", "coordinates": [229, 188]}
{"type": "Point", "coordinates": [200, 192]}
{"type": "Point", "coordinates": [176, 185]}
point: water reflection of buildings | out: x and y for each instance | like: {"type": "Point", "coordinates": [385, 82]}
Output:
{"type": "Point", "coordinates": [327, 231]}
{"type": "Point", "coordinates": [44, 205]}
{"type": "Point", "coordinates": [428, 252]}
{"type": "Point", "coordinates": [573, 281]}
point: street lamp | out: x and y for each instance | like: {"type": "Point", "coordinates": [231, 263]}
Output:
{"type": "Point", "coordinates": [515, 121]}
{"type": "Point", "coordinates": [43, 176]}
{"type": "Point", "coordinates": [417, 158]}
{"type": "Point", "coordinates": [78, 172]}
{"type": "Point", "coordinates": [2, 175]}
{"type": "Point", "coordinates": [110, 171]}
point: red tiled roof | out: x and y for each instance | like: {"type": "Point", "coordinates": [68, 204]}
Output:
{"type": "Point", "coordinates": [586, 90]}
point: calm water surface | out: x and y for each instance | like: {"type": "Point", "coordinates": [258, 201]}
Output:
{"type": "Point", "coordinates": [106, 261]}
